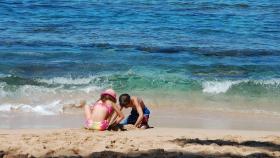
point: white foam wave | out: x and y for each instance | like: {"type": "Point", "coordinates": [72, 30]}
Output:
{"type": "Point", "coordinates": [275, 82]}
{"type": "Point", "coordinates": [218, 86]}
{"type": "Point", "coordinates": [5, 75]}
{"type": "Point", "coordinates": [5, 107]}
{"type": "Point", "coordinates": [37, 92]}
{"type": "Point", "coordinates": [52, 108]}
{"type": "Point", "coordinates": [67, 81]}
{"type": "Point", "coordinates": [91, 89]}
{"type": "Point", "coordinates": [30, 90]}
{"type": "Point", "coordinates": [43, 100]}
{"type": "Point", "coordinates": [3, 93]}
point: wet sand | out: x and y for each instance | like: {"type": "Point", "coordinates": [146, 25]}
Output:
{"type": "Point", "coordinates": [172, 118]}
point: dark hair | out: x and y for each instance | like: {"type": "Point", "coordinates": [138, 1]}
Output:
{"type": "Point", "coordinates": [124, 99]}
{"type": "Point", "coordinates": [105, 97]}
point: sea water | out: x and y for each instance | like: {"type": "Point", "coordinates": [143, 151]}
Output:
{"type": "Point", "coordinates": [196, 54]}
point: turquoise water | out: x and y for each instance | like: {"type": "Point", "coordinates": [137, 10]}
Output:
{"type": "Point", "coordinates": [199, 54]}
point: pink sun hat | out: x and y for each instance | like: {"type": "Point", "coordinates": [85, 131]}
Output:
{"type": "Point", "coordinates": [110, 92]}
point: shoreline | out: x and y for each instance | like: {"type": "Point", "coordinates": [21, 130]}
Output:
{"type": "Point", "coordinates": [154, 142]}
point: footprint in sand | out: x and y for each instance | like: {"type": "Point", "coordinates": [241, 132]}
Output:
{"type": "Point", "coordinates": [132, 148]}
{"type": "Point", "coordinates": [34, 135]}
{"type": "Point", "coordinates": [87, 139]}
{"type": "Point", "coordinates": [111, 145]}
{"type": "Point", "coordinates": [26, 138]}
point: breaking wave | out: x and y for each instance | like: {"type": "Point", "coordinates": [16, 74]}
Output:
{"type": "Point", "coordinates": [217, 87]}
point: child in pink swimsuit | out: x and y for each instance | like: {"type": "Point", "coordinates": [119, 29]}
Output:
{"type": "Point", "coordinates": [98, 114]}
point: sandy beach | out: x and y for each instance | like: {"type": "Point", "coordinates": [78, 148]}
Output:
{"type": "Point", "coordinates": [175, 133]}
{"type": "Point", "coordinates": [154, 142]}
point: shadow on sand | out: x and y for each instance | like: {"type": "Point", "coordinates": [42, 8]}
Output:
{"type": "Point", "coordinates": [255, 144]}
{"type": "Point", "coordinates": [155, 153]}
{"type": "Point", "coordinates": [160, 153]}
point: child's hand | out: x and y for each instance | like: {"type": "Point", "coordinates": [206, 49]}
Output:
{"type": "Point", "coordinates": [137, 126]}
{"type": "Point", "coordinates": [82, 103]}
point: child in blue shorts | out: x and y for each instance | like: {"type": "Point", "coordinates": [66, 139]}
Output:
{"type": "Point", "coordinates": [139, 115]}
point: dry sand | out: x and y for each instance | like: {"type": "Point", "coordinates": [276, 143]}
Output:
{"type": "Point", "coordinates": [153, 142]}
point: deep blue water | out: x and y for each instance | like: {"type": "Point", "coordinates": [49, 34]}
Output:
{"type": "Point", "coordinates": [212, 47]}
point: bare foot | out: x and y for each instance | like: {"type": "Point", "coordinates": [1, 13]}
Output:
{"type": "Point", "coordinates": [82, 104]}
{"type": "Point", "coordinates": [144, 127]}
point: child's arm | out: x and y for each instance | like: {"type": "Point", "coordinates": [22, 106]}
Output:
{"type": "Point", "coordinates": [140, 112]}
{"type": "Point", "coordinates": [87, 110]}
{"type": "Point", "coordinates": [114, 116]}
{"type": "Point", "coordinates": [118, 113]}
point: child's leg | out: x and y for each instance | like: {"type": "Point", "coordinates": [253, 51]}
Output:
{"type": "Point", "coordinates": [124, 121]}
{"type": "Point", "coordinates": [145, 120]}
{"type": "Point", "coordinates": [131, 119]}
{"type": "Point", "coordinates": [87, 112]}
{"type": "Point", "coordinates": [88, 120]}
{"type": "Point", "coordinates": [144, 123]}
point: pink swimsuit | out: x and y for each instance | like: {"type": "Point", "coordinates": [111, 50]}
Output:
{"type": "Point", "coordinates": [109, 108]}
{"type": "Point", "coordinates": [102, 125]}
